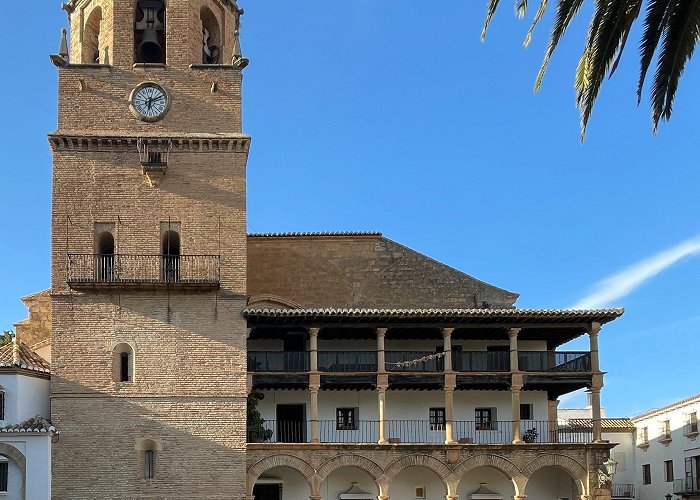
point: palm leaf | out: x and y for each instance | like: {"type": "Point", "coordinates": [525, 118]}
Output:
{"type": "Point", "coordinates": [680, 38]}
{"type": "Point", "coordinates": [521, 8]}
{"type": "Point", "coordinates": [566, 11]}
{"type": "Point", "coordinates": [630, 18]}
{"type": "Point", "coordinates": [490, 11]}
{"type": "Point", "coordinates": [538, 16]}
{"type": "Point", "coordinates": [657, 14]}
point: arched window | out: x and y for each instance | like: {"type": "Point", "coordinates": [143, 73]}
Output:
{"type": "Point", "coordinates": [123, 363]}
{"type": "Point", "coordinates": [171, 256]}
{"type": "Point", "coordinates": [149, 450]}
{"type": "Point", "coordinates": [211, 37]}
{"type": "Point", "coordinates": [149, 32]}
{"type": "Point", "coordinates": [91, 37]}
{"type": "Point", "coordinates": [105, 257]}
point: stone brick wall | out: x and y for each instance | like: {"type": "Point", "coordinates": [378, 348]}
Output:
{"type": "Point", "coordinates": [361, 271]}
{"type": "Point", "coordinates": [36, 328]}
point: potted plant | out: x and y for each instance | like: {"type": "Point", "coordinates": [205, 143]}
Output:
{"type": "Point", "coordinates": [257, 433]}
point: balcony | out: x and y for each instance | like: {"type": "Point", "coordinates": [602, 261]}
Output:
{"type": "Point", "coordinates": [419, 432]}
{"type": "Point", "coordinates": [145, 271]}
{"type": "Point", "coordinates": [420, 361]}
{"type": "Point", "coordinates": [687, 486]}
{"type": "Point", "coordinates": [622, 490]}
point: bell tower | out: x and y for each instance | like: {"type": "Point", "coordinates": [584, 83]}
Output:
{"type": "Point", "coordinates": [149, 252]}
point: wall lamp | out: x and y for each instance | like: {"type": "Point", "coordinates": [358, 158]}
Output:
{"type": "Point", "coordinates": [605, 475]}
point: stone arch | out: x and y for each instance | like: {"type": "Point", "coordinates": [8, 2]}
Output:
{"type": "Point", "coordinates": [348, 460]}
{"type": "Point", "coordinates": [92, 34]}
{"type": "Point", "coordinates": [418, 460]}
{"type": "Point", "coordinates": [19, 459]}
{"type": "Point", "coordinates": [577, 471]}
{"type": "Point", "coordinates": [297, 464]}
{"type": "Point", "coordinates": [267, 300]}
{"type": "Point", "coordinates": [508, 468]}
{"type": "Point", "coordinates": [210, 23]}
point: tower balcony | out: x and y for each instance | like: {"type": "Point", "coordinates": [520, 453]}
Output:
{"type": "Point", "coordinates": [87, 271]}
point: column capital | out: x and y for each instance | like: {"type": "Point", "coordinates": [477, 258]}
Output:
{"type": "Point", "coordinates": [314, 331]}
{"type": "Point", "coordinates": [513, 332]}
{"type": "Point", "coordinates": [381, 389]}
{"type": "Point", "coordinates": [594, 328]}
{"type": "Point", "coordinates": [313, 389]}
{"type": "Point", "coordinates": [446, 332]}
{"type": "Point", "coordinates": [381, 332]}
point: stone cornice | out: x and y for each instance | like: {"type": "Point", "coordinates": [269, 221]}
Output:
{"type": "Point", "coordinates": [205, 143]}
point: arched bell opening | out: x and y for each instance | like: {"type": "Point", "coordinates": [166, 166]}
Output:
{"type": "Point", "coordinates": [149, 32]}
{"type": "Point", "coordinates": [92, 34]}
{"type": "Point", "coordinates": [105, 257]}
{"type": "Point", "coordinates": [211, 37]}
{"type": "Point", "coordinates": [171, 256]}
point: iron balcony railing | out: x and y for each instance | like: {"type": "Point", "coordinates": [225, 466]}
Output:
{"type": "Point", "coordinates": [347, 361]}
{"type": "Point", "coordinates": [417, 432]}
{"type": "Point", "coordinates": [414, 361]}
{"type": "Point", "coordinates": [622, 490]}
{"type": "Point", "coordinates": [121, 269]}
{"type": "Point", "coordinates": [687, 486]}
{"type": "Point", "coordinates": [551, 361]}
{"type": "Point", "coordinates": [278, 361]}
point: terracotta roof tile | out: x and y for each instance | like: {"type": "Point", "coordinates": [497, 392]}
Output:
{"type": "Point", "coordinates": [607, 424]}
{"type": "Point", "coordinates": [34, 424]}
{"type": "Point", "coordinates": [27, 358]}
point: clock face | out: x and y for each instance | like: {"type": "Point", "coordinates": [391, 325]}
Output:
{"type": "Point", "coordinates": [149, 102]}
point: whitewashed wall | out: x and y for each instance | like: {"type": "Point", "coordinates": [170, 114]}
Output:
{"type": "Point", "coordinates": [25, 397]}
{"type": "Point", "coordinates": [37, 452]}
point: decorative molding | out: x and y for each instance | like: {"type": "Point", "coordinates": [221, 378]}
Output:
{"type": "Point", "coordinates": [203, 144]}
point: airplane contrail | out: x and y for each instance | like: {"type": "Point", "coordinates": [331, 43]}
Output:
{"type": "Point", "coordinates": [626, 281]}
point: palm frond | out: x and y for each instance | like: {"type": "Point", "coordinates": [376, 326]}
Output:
{"type": "Point", "coordinates": [538, 16]}
{"type": "Point", "coordinates": [630, 18]}
{"type": "Point", "coordinates": [610, 27]}
{"type": "Point", "coordinates": [521, 8]}
{"type": "Point", "coordinates": [655, 20]}
{"type": "Point", "coordinates": [566, 11]}
{"type": "Point", "coordinates": [490, 11]}
{"type": "Point", "coordinates": [679, 40]}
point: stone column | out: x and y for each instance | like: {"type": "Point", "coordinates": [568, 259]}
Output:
{"type": "Point", "coordinates": [553, 417]}
{"type": "Point", "coordinates": [449, 415]}
{"type": "Point", "coordinates": [381, 393]}
{"type": "Point", "coordinates": [314, 415]}
{"type": "Point", "coordinates": [516, 385]}
{"type": "Point", "coordinates": [381, 362]}
{"type": "Point", "coordinates": [313, 348]}
{"type": "Point", "coordinates": [596, 382]}
{"type": "Point", "coordinates": [447, 348]}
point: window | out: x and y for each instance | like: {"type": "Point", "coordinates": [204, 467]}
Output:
{"type": "Point", "coordinates": [91, 37]}
{"type": "Point", "coordinates": [123, 363]}
{"type": "Point", "coordinates": [149, 32]}
{"type": "Point", "coordinates": [4, 476]}
{"type": "Point", "coordinates": [2, 405]}
{"type": "Point", "coordinates": [691, 424]}
{"type": "Point", "coordinates": [211, 37]}
{"type": "Point", "coordinates": [104, 267]}
{"type": "Point", "coordinates": [646, 474]}
{"type": "Point", "coordinates": [171, 256]}
{"type": "Point", "coordinates": [149, 464]}
{"type": "Point", "coordinates": [437, 419]}
{"type": "Point", "coordinates": [643, 436]}
{"type": "Point", "coordinates": [346, 419]}
{"type": "Point", "coordinates": [484, 420]}
{"type": "Point", "coordinates": [665, 430]}
{"type": "Point", "coordinates": [525, 412]}
{"type": "Point", "coordinates": [668, 471]}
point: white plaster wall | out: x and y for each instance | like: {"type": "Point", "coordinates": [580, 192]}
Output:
{"type": "Point", "coordinates": [624, 455]}
{"type": "Point", "coordinates": [340, 481]}
{"type": "Point", "coordinates": [9, 385]}
{"type": "Point", "coordinates": [677, 449]}
{"type": "Point", "coordinates": [495, 480]}
{"type": "Point", "coordinates": [32, 397]}
{"type": "Point", "coordinates": [404, 485]}
{"type": "Point", "coordinates": [551, 483]}
{"type": "Point", "coordinates": [37, 452]}
{"type": "Point", "coordinates": [294, 486]}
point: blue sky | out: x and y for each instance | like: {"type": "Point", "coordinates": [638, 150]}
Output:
{"type": "Point", "coordinates": [391, 115]}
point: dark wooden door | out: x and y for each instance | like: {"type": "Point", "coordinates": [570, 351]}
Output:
{"type": "Point", "coordinates": [291, 424]}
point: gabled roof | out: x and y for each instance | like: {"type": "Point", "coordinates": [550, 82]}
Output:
{"type": "Point", "coordinates": [34, 424]}
{"type": "Point", "coordinates": [607, 424]}
{"type": "Point", "coordinates": [24, 358]}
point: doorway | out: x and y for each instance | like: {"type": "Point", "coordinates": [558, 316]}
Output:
{"type": "Point", "coordinates": [267, 491]}
{"type": "Point", "coordinates": [291, 424]}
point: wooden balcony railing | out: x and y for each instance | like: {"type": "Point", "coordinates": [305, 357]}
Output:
{"type": "Point", "coordinates": [417, 432]}
{"type": "Point", "coordinates": [147, 269]}
{"type": "Point", "coordinates": [462, 361]}
{"type": "Point", "coordinates": [622, 490]}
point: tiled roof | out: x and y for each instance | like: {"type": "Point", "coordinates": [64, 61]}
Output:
{"type": "Point", "coordinates": [320, 233]}
{"type": "Point", "coordinates": [607, 424]}
{"type": "Point", "coordinates": [445, 315]}
{"type": "Point", "coordinates": [663, 409]}
{"type": "Point", "coordinates": [34, 424]}
{"type": "Point", "coordinates": [27, 358]}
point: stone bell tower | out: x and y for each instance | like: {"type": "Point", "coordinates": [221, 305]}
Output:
{"type": "Point", "coordinates": [149, 252]}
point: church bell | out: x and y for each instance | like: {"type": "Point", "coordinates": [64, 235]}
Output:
{"type": "Point", "coordinates": [150, 50]}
